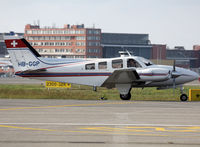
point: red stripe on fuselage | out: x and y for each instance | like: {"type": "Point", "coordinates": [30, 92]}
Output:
{"type": "Point", "coordinates": [62, 75]}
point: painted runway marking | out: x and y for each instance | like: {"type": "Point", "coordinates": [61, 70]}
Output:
{"type": "Point", "coordinates": [80, 131]}
{"type": "Point", "coordinates": [101, 124]}
{"type": "Point", "coordinates": [132, 131]}
{"type": "Point", "coordinates": [154, 129]}
{"type": "Point", "coordinates": [72, 105]}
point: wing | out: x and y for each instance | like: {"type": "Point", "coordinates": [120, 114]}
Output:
{"type": "Point", "coordinates": [121, 77]}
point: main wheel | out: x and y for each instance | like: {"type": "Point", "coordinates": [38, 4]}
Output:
{"type": "Point", "coordinates": [183, 97]}
{"type": "Point", "coordinates": [125, 96]}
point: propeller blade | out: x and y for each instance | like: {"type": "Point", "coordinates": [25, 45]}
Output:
{"type": "Point", "coordinates": [174, 85]}
{"type": "Point", "coordinates": [174, 65]}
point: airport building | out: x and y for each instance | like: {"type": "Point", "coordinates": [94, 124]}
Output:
{"type": "Point", "coordinates": [137, 44]}
{"type": "Point", "coordinates": [184, 58]}
{"type": "Point", "coordinates": [76, 41]}
{"type": "Point", "coordinates": [71, 41]}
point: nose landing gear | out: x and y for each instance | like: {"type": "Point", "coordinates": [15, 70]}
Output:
{"type": "Point", "coordinates": [183, 96]}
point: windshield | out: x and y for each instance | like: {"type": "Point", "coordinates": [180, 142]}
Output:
{"type": "Point", "coordinates": [145, 61]}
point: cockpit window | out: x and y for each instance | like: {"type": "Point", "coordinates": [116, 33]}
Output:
{"type": "Point", "coordinates": [146, 61]}
{"type": "Point", "coordinates": [133, 63]}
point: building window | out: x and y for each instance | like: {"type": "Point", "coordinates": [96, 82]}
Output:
{"type": "Point", "coordinates": [40, 50]}
{"type": "Point", "coordinates": [90, 66]}
{"type": "Point", "coordinates": [93, 50]}
{"type": "Point", "coordinates": [57, 38]}
{"type": "Point", "coordinates": [46, 38]}
{"type": "Point", "coordinates": [52, 38]}
{"type": "Point", "coordinates": [80, 51]}
{"type": "Point", "coordinates": [80, 37]}
{"type": "Point", "coordinates": [117, 63]}
{"type": "Point", "coordinates": [79, 56]}
{"type": "Point", "coordinates": [93, 38]}
{"type": "Point", "coordinates": [82, 32]}
{"type": "Point", "coordinates": [72, 31]}
{"type": "Point", "coordinates": [66, 31]}
{"type": "Point", "coordinates": [80, 43]}
{"type": "Point", "coordinates": [28, 32]}
{"type": "Point", "coordinates": [30, 38]}
{"type": "Point", "coordinates": [67, 37]}
{"type": "Point", "coordinates": [68, 50]}
{"type": "Point", "coordinates": [93, 43]}
{"type": "Point", "coordinates": [102, 65]}
{"type": "Point", "coordinates": [62, 37]}
{"type": "Point", "coordinates": [77, 31]}
{"type": "Point", "coordinates": [89, 31]}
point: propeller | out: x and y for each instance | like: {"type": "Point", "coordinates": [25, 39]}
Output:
{"type": "Point", "coordinates": [173, 76]}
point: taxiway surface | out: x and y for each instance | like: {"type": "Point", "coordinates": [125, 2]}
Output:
{"type": "Point", "coordinates": [98, 123]}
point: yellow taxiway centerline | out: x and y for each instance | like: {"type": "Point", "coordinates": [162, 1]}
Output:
{"type": "Point", "coordinates": [73, 105]}
{"type": "Point", "coordinates": [70, 131]}
{"type": "Point", "coordinates": [118, 131]}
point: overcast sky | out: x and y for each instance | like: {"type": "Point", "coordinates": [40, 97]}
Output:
{"type": "Point", "coordinates": [171, 22]}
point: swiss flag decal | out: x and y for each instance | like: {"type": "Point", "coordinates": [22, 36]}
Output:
{"type": "Point", "coordinates": [16, 43]}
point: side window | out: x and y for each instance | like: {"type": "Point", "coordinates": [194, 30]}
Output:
{"type": "Point", "coordinates": [102, 65]}
{"type": "Point", "coordinates": [90, 66]}
{"type": "Point", "coordinates": [117, 63]}
{"type": "Point", "coordinates": [132, 63]}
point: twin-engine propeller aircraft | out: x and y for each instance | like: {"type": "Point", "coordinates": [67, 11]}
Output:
{"type": "Point", "coordinates": [122, 73]}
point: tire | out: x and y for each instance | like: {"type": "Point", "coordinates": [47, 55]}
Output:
{"type": "Point", "coordinates": [183, 97]}
{"type": "Point", "coordinates": [125, 96]}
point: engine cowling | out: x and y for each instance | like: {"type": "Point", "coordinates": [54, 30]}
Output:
{"type": "Point", "coordinates": [154, 74]}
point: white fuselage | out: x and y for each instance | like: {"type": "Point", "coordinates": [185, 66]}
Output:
{"type": "Point", "coordinates": [94, 72]}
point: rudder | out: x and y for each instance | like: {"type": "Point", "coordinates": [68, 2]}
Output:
{"type": "Point", "coordinates": [23, 56]}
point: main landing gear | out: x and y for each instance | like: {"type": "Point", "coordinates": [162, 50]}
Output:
{"type": "Point", "coordinates": [124, 90]}
{"type": "Point", "coordinates": [125, 96]}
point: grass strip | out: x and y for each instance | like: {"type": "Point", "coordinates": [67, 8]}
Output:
{"type": "Point", "coordinates": [81, 92]}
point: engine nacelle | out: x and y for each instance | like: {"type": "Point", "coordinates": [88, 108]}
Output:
{"type": "Point", "coordinates": [154, 74]}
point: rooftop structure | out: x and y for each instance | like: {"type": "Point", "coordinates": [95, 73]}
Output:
{"type": "Point", "coordinates": [125, 39]}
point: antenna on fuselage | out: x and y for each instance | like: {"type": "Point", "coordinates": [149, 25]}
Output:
{"type": "Point", "coordinates": [124, 53]}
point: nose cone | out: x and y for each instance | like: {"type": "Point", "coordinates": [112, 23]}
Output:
{"type": "Point", "coordinates": [191, 75]}
{"type": "Point", "coordinates": [195, 75]}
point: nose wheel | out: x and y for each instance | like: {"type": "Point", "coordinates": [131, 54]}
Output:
{"type": "Point", "coordinates": [183, 97]}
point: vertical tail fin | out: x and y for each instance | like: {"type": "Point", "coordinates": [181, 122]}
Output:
{"type": "Point", "coordinates": [23, 56]}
